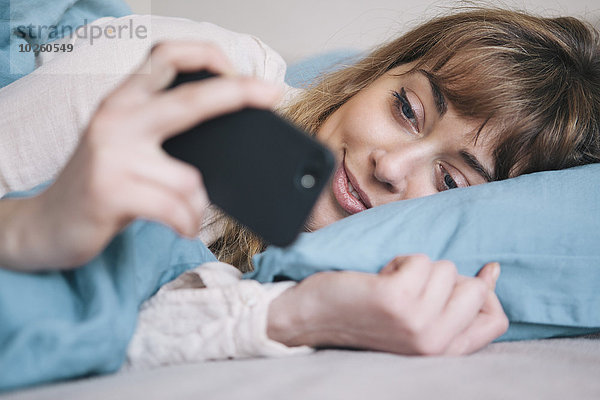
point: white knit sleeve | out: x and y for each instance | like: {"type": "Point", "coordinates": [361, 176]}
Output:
{"type": "Point", "coordinates": [205, 314]}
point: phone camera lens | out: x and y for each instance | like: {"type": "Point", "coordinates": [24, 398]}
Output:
{"type": "Point", "coordinates": [307, 181]}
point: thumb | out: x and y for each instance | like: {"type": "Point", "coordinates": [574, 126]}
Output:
{"type": "Point", "coordinates": [490, 273]}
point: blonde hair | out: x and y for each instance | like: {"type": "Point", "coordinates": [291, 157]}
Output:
{"type": "Point", "coordinates": [533, 82]}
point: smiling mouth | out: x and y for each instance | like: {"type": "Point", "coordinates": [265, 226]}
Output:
{"type": "Point", "coordinates": [347, 195]}
{"type": "Point", "coordinates": [354, 193]}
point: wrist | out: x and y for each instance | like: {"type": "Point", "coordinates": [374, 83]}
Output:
{"type": "Point", "coordinates": [291, 319]}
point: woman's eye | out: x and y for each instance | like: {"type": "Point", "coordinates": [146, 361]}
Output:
{"type": "Point", "coordinates": [447, 182]}
{"type": "Point", "coordinates": [405, 108]}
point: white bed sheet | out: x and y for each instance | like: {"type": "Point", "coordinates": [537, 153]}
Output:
{"type": "Point", "coordinates": [541, 369]}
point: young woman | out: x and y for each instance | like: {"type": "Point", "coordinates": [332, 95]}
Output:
{"type": "Point", "coordinates": [461, 100]}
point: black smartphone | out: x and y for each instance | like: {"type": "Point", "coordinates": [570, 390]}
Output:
{"type": "Point", "coordinates": [257, 167]}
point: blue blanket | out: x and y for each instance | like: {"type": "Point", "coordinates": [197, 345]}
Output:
{"type": "Point", "coordinates": [48, 21]}
{"type": "Point", "coordinates": [65, 324]}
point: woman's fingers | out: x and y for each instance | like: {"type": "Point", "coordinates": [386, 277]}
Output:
{"type": "Point", "coordinates": [476, 326]}
{"type": "Point", "coordinates": [176, 176]}
{"type": "Point", "coordinates": [167, 208]}
{"type": "Point", "coordinates": [439, 288]}
{"type": "Point", "coordinates": [488, 325]}
{"type": "Point", "coordinates": [142, 105]}
{"type": "Point", "coordinates": [490, 273]}
{"type": "Point", "coordinates": [188, 104]}
{"type": "Point", "coordinates": [463, 306]}
{"type": "Point", "coordinates": [154, 202]}
{"type": "Point", "coordinates": [411, 273]}
{"type": "Point", "coordinates": [182, 181]}
{"type": "Point", "coordinates": [490, 322]}
{"type": "Point", "coordinates": [141, 115]}
{"type": "Point", "coordinates": [168, 58]}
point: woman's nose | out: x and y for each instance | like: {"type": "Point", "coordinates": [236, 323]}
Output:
{"type": "Point", "coordinates": [400, 170]}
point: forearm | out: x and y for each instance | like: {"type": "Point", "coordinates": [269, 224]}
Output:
{"type": "Point", "coordinates": [291, 320]}
{"type": "Point", "coordinates": [14, 216]}
{"type": "Point", "coordinates": [30, 234]}
{"type": "Point", "coordinates": [300, 317]}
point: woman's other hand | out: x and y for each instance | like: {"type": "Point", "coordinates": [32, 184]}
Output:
{"type": "Point", "coordinates": [413, 306]}
{"type": "Point", "coordinates": [119, 170]}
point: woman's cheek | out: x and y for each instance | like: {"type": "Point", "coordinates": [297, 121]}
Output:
{"type": "Point", "coordinates": [325, 211]}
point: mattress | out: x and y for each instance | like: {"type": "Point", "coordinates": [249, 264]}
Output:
{"type": "Point", "coordinates": [540, 369]}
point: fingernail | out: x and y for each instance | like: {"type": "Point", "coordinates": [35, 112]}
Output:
{"type": "Point", "coordinates": [496, 271]}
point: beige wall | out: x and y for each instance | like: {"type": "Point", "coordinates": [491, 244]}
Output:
{"type": "Point", "coordinates": [300, 28]}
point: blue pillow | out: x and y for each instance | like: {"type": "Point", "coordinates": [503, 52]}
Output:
{"type": "Point", "coordinates": [64, 324]}
{"type": "Point", "coordinates": [303, 73]}
{"type": "Point", "coordinates": [543, 228]}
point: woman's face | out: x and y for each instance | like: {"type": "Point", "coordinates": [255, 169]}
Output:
{"type": "Point", "coordinates": [397, 139]}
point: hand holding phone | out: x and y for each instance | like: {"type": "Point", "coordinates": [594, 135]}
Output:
{"type": "Point", "coordinates": [260, 169]}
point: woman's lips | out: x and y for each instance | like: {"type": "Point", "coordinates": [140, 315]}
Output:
{"type": "Point", "coordinates": [363, 196]}
{"type": "Point", "coordinates": [342, 192]}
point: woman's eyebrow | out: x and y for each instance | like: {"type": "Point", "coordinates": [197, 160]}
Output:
{"type": "Point", "coordinates": [472, 162]}
{"type": "Point", "coordinates": [442, 106]}
{"type": "Point", "coordinates": [438, 98]}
